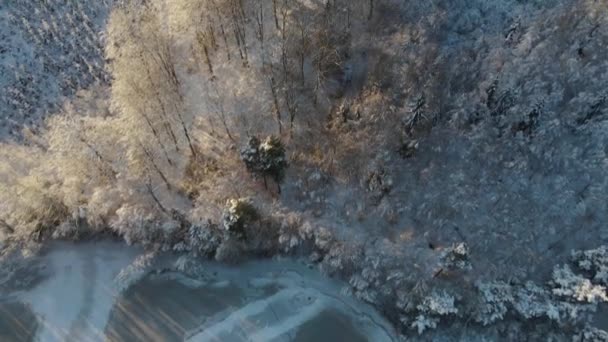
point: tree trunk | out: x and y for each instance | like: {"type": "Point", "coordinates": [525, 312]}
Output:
{"type": "Point", "coordinates": [187, 134]}
{"type": "Point", "coordinates": [302, 55]}
{"type": "Point", "coordinates": [276, 104]}
{"type": "Point", "coordinates": [223, 31]}
{"type": "Point", "coordinates": [156, 200]}
{"type": "Point", "coordinates": [7, 227]}
{"type": "Point", "coordinates": [166, 122]}
{"type": "Point", "coordinates": [156, 168]}
{"type": "Point", "coordinates": [276, 18]}
{"type": "Point", "coordinates": [212, 34]}
{"type": "Point", "coordinates": [208, 60]}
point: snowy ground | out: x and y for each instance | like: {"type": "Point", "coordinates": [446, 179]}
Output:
{"type": "Point", "coordinates": [48, 51]}
{"type": "Point", "coordinates": [74, 301]}
{"type": "Point", "coordinates": [81, 300]}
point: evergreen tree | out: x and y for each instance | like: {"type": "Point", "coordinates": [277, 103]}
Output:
{"type": "Point", "coordinates": [274, 162]}
{"type": "Point", "coordinates": [250, 155]}
{"type": "Point", "coordinates": [238, 215]}
{"type": "Point", "coordinates": [266, 159]}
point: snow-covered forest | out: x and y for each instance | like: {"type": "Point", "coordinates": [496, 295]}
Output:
{"type": "Point", "coordinates": [447, 159]}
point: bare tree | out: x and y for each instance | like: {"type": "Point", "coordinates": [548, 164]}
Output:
{"type": "Point", "coordinates": [237, 15]}
{"type": "Point", "coordinates": [220, 18]}
{"type": "Point", "coordinates": [152, 162]}
{"type": "Point", "coordinates": [150, 189]}
{"type": "Point", "coordinates": [291, 103]}
{"type": "Point", "coordinates": [221, 113]}
{"type": "Point", "coordinates": [202, 38]}
{"type": "Point", "coordinates": [274, 10]}
{"type": "Point", "coordinates": [259, 20]}
{"type": "Point", "coordinates": [150, 125]}
{"type": "Point", "coordinates": [303, 44]}
{"type": "Point", "coordinates": [275, 100]}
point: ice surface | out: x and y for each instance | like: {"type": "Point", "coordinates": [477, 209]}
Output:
{"type": "Point", "coordinates": [82, 300]}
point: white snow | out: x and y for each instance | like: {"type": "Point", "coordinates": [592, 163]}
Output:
{"type": "Point", "coordinates": [75, 302]}
{"type": "Point", "coordinates": [213, 332]}
{"type": "Point", "coordinates": [290, 323]}
{"type": "Point", "coordinates": [305, 295]}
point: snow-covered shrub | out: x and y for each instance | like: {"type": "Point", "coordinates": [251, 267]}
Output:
{"type": "Point", "coordinates": [289, 232]}
{"type": "Point", "coordinates": [591, 334]}
{"type": "Point", "coordinates": [575, 296]}
{"type": "Point", "coordinates": [102, 205]}
{"type": "Point", "coordinates": [66, 230]}
{"type": "Point", "coordinates": [135, 271]}
{"type": "Point", "coordinates": [569, 285]}
{"type": "Point", "coordinates": [136, 224]}
{"type": "Point", "coordinates": [423, 323]}
{"type": "Point", "coordinates": [239, 215]}
{"type": "Point", "coordinates": [406, 303]}
{"type": "Point", "coordinates": [342, 259]}
{"type": "Point", "coordinates": [565, 304]}
{"type": "Point", "coordinates": [359, 283]}
{"type": "Point", "coordinates": [432, 308]}
{"type": "Point", "coordinates": [75, 226]}
{"type": "Point", "coordinates": [203, 239]}
{"type": "Point", "coordinates": [378, 274]}
{"type": "Point", "coordinates": [533, 301]}
{"type": "Point", "coordinates": [456, 257]}
{"type": "Point", "coordinates": [408, 147]}
{"type": "Point", "coordinates": [378, 182]}
{"type": "Point", "coordinates": [323, 238]}
{"type": "Point", "coordinates": [33, 207]}
{"type": "Point", "coordinates": [594, 261]}
{"type": "Point", "coordinates": [494, 301]}
{"type": "Point", "coordinates": [230, 251]}
{"type": "Point", "coordinates": [189, 266]}
{"type": "Point", "coordinates": [438, 303]}
{"type": "Point", "coordinates": [367, 284]}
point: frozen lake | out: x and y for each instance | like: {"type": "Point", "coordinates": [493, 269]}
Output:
{"type": "Point", "coordinates": [80, 299]}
